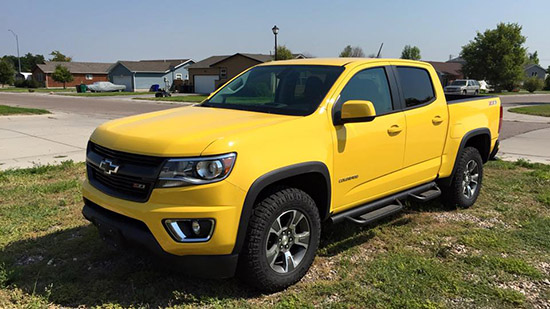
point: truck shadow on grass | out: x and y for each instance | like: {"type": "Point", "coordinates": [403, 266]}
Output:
{"type": "Point", "coordinates": [73, 267]}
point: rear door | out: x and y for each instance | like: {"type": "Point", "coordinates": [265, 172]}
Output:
{"type": "Point", "coordinates": [367, 154]}
{"type": "Point", "coordinates": [426, 114]}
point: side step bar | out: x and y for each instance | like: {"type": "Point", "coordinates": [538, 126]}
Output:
{"type": "Point", "coordinates": [378, 214]}
{"type": "Point", "coordinates": [386, 206]}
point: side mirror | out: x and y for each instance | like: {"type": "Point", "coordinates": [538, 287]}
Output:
{"type": "Point", "coordinates": [357, 111]}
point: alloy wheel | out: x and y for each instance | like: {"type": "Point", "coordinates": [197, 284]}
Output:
{"type": "Point", "coordinates": [470, 180]}
{"type": "Point", "coordinates": [288, 241]}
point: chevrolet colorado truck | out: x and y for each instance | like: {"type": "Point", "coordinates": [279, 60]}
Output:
{"type": "Point", "coordinates": [240, 183]}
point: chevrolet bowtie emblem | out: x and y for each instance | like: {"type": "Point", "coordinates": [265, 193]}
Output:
{"type": "Point", "coordinates": [108, 167]}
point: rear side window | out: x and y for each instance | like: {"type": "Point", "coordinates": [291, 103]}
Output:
{"type": "Point", "coordinates": [369, 85]}
{"type": "Point", "coordinates": [416, 85]}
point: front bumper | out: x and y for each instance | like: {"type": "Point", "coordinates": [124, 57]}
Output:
{"type": "Point", "coordinates": [119, 230]}
{"type": "Point", "coordinates": [221, 201]}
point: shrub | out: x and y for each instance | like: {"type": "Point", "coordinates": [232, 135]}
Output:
{"type": "Point", "coordinates": [20, 83]}
{"type": "Point", "coordinates": [547, 83]}
{"type": "Point", "coordinates": [533, 84]}
{"type": "Point", "coordinates": [34, 84]}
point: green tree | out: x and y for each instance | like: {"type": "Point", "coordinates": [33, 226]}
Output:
{"type": "Point", "coordinates": [7, 72]}
{"type": "Point", "coordinates": [411, 52]}
{"type": "Point", "coordinates": [58, 56]}
{"type": "Point", "coordinates": [533, 58]}
{"type": "Point", "coordinates": [496, 55]}
{"type": "Point", "coordinates": [62, 75]}
{"type": "Point", "coordinates": [354, 51]}
{"type": "Point", "coordinates": [283, 53]}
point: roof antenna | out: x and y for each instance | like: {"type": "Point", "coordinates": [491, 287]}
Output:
{"type": "Point", "coordinates": [380, 50]}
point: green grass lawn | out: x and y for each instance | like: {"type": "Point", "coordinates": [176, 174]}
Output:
{"type": "Point", "coordinates": [493, 255]}
{"type": "Point", "coordinates": [11, 110]}
{"type": "Point", "coordinates": [537, 110]}
{"type": "Point", "coordinates": [106, 94]}
{"type": "Point", "coordinates": [181, 98]}
{"type": "Point", "coordinates": [13, 89]}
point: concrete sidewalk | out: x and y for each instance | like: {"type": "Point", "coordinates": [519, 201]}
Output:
{"type": "Point", "coordinates": [26, 141]}
{"type": "Point", "coordinates": [532, 145]}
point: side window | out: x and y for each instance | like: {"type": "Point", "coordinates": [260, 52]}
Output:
{"type": "Point", "coordinates": [416, 85]}
{"type": "Point", "coordinates": [370, 85]}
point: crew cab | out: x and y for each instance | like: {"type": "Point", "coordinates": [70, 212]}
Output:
{"type": "Point", "coordinates": [240, 183]}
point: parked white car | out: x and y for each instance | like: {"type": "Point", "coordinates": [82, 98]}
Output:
{"type": "Point", "coordinates": [105, 87]}
{"type": "Point", "coordinates": [463, 86]}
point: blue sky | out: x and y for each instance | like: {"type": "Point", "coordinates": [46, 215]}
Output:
{"type": "Point", "coordinates": [132, 30]}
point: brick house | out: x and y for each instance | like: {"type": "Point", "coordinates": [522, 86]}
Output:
{"type": "Point", "coordinates": [83, 72]}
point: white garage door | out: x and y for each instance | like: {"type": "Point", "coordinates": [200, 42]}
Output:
{"type": "Point", "coordinates": [205, 83]}
{"type": "Point", "coordinates": [124, 80]}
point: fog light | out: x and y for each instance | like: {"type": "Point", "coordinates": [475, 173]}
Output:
{"type": "Point", "coordinates": [196, 227]}
{"type": "Point", "coordinates": [190, 230]}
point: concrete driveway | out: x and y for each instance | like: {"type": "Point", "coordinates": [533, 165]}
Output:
{"type": "Point", "coordinates": [26, 141]}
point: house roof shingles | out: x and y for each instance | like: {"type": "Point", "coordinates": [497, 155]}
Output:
{"type": "Point", "coordinates": [77, 67]}
{"type": "Point", "coordinates": [153, 66]}
{"type": "Point", "coordinates": [208, 62]}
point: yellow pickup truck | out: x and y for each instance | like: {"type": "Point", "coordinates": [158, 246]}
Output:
{"type": "Point", "coordinates": [240, 183]}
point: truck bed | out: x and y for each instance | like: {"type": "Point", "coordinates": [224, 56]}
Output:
{"type": "Point", "coordinates": [461, 98]}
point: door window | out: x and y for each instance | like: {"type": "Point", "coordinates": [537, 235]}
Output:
{"type": "Point", "coordinates": [370, 85]}
{"type": "Point", "coordinates": [416, 86]}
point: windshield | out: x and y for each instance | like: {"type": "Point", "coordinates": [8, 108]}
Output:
{"type": "Point", "coordinates": [278, 89]}
{"type": "Point", "coordinates": [458, 83]}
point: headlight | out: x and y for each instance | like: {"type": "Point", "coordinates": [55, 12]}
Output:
{"type": "Point", "coordinates": [195, 171]}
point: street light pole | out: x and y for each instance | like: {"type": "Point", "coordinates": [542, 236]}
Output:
{"type": "Point", "coordinates": [17, 42]}
{"type": "Point", "coordinates": [275, 32]}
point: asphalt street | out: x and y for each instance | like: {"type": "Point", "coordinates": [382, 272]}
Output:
{"type": "Point", "coordinates": [26, 141]}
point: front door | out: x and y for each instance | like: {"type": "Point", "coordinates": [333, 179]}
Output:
{"type": "Point", "coordinates": [367, 154]}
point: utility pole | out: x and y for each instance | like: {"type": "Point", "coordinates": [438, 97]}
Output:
{"type": "Point", "coordinates": [17, 42]}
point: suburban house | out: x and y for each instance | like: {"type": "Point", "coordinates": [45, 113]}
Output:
{"type": "Point", "coordinates": [83, 72]}
{"type": "Point", "coordinates": [141, 75]}
{"type": "Point", "coordinates": [535, 70]}
{"type": "Point", "coordinates": [209, 74]}
{"type": "Point", "coordinates": [447, 71]}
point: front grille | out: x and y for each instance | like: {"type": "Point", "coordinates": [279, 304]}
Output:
{"type": "Point", "coordinates": [124, 156]}
{"type": "Point", "coordinates": [135, 178]}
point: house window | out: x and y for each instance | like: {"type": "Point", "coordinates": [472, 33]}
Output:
{"type": "Point", "coordinates": [534, 73]}
{"type": "Point", "coordinates": [223, 73]}
{"type": "Point", "coordinates": [178, 75]}
{"type": "Point", "coordinates": [89, 77]}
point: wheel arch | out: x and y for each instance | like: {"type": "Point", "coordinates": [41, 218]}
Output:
{"type": "Point", "coordinates": [478, 138]}
{"type": "Point", "coordinates": [306, 176]}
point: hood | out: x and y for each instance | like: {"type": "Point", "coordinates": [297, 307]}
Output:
{"type": "Point", "coordinates": [179, 132]}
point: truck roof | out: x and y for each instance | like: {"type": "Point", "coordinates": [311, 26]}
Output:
{"type": "Point", "coordinates": [337, 61]}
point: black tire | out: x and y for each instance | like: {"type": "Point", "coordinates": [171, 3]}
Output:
{"type": "Point", "coordinates": [456, 194]}
{"type": "Point", "coordinates": [465, 92]}
{"type": "Point", "coordinates": [254, 267]}
{"type": "Point", "coordinates": [476, 92]}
